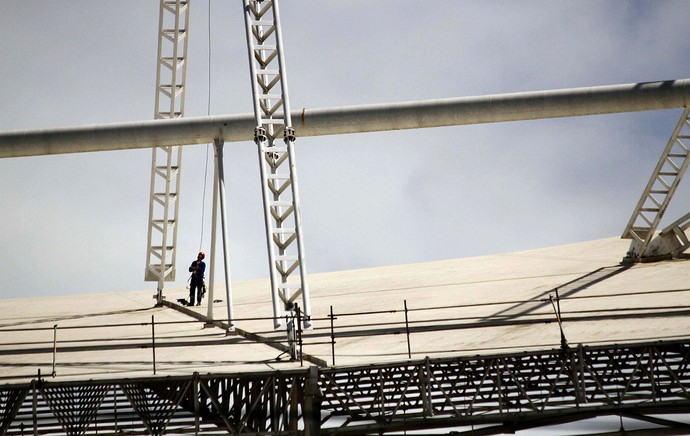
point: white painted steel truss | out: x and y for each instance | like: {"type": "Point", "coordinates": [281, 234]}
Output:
{"type": "Point", "coordinates": [657, 196]}
{"type": "Point", "coordinates": [166, 161]}
{"type": "Point", "coordinates": [276, 161]}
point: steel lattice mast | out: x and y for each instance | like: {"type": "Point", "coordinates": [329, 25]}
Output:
{"type": "Point", "coordinates": [276, 161]}
{"type": "Point", "coordinates": [166, 160]}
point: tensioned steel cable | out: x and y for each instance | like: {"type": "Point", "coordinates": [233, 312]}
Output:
{"type": "Point", "coordinates": [208, 113]}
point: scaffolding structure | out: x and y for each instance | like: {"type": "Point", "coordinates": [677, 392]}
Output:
{"type": "Point", "coordinates": [502, 393]}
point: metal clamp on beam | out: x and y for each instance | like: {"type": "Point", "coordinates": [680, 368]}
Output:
{"type": "Point", "coordinates": [260, 135]}
{"type": "Point", "coordinates": [289, 135]}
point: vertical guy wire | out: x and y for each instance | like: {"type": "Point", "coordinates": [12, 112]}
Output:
{"type": "Point", "coordinates": [208, 112]}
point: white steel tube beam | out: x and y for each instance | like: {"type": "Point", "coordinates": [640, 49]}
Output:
{"type": "Point", "coordinates": [354, 119]}
{"type": "Point", "coordinates": [212, 253]}
{"type": "Point", "coordinates": [225, 233]}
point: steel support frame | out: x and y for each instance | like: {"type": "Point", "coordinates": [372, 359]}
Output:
{"type": "Point", "coordinates": [267, 403]}
{"type": "Point", "coordinates": [657, 196]}
{"type": "Point", "coordinates": [506, 392]}
{"type": "Point", "coordinates": [517, 388]}
{"type": "Point", "coordinates": [167, 159]}
{"type": "Point", "coordinates": [282, 219]}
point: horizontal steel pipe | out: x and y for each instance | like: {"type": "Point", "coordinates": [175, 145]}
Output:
{"type": "Point", "coordinates": [354, 119]}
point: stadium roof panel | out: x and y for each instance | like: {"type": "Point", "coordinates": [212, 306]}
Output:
{"type": "Point", "coordinates": [483, 305]}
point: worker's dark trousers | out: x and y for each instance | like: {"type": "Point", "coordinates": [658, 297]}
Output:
{"type": "Point", "coordinates": [195, 285]}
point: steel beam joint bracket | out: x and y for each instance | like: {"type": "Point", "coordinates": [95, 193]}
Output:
{"type": "Point", "coordinates": [260, 135]}
{"type": "Point", "coordinates": [289, 135]}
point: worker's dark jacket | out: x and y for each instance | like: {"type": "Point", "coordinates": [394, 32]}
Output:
{"type": "Point", "coordinates": [198, 275]}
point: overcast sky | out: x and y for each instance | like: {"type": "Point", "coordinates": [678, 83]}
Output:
{"type": "Point", "coordinates": [76, 224]}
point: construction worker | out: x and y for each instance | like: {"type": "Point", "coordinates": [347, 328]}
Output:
{"type": "Point", "coordinates": [197, 280]}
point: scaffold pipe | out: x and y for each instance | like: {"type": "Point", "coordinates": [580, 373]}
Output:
{"type": "Point", "coordinates": [572, 102]}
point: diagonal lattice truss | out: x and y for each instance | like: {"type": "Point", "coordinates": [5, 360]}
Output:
{"type": "Point", "coordinates": [660, 189]}
{"type": "Point", "coordinates": [521, 390]}
{"type": "Point", "coordinates": [155, 402]}
{"type": "Point", "coordinates": [276, 161]}
{"type": "Point", "coordinates": [75, 406]}
{"type": "Point", "coordinates": [268, 403]}
{"type": "Point", "coordinates": [10, 402]}
{"type": "Point", "coordinates": [480, 390]}
{"type": "Point", "coordinates": [250, 404]}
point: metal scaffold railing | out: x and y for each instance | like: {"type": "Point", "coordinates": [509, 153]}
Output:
{"type": "Point", "coordinates": [277, 161]}
{"type": "Point", "coordinates": [166, 160]}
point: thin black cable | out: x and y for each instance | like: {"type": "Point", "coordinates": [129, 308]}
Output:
{"type": "Point", "coordinates": [208, 112]}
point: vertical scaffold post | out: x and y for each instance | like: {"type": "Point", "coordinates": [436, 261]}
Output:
{"type": "Point", "coordinates": [312, 403]}
{"type": "Point", "coordinates": [276, 162]}
{"type": "Point", "coordinates": [55, 327]}
{"type": "Point", "coordinates": [578, 368]}
{"type": "Point", "coordinates": [153, 342]}
{"type": "Point", "coordinates": [407, 331]}
{"type": "Point", "coordinates": [332, 317]}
